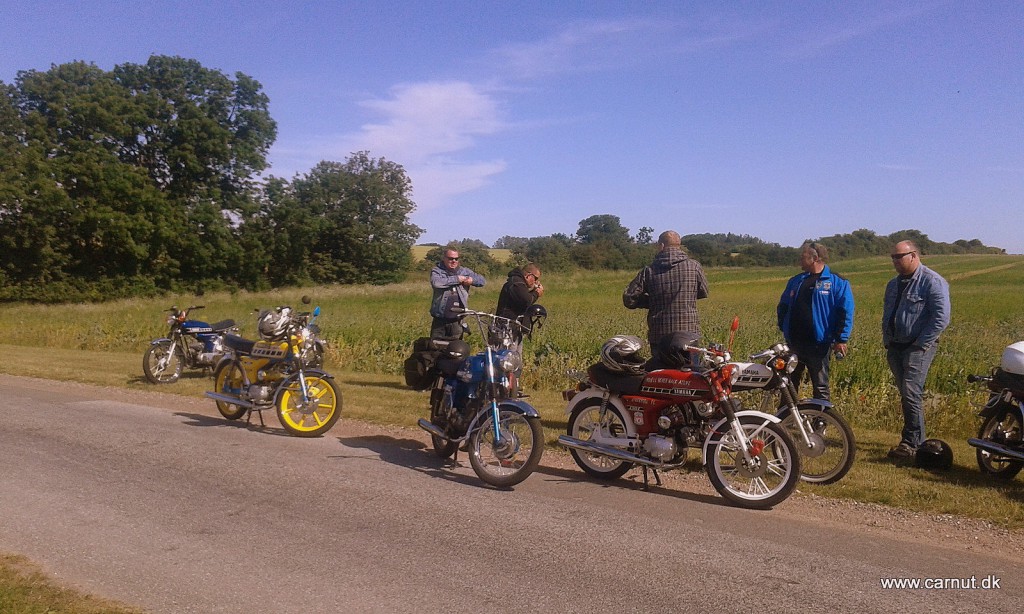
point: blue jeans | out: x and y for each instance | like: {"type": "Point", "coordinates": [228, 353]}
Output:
{"type": "Point", "coordinates": [910, 368]}
{"type": "Point", "coordinates": [815, 360]}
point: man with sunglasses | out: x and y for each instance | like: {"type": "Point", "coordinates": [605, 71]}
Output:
{"type": "Point", "coordinates": [916, 311]}
{"type": "Point", "coordinates": [450, 282]}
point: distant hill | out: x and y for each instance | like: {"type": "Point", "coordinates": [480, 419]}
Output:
{"type": "Point", "coordinates": [420, 251]}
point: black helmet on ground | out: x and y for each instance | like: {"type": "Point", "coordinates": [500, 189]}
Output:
{"type": "Point", "coordinates": [934, 454]}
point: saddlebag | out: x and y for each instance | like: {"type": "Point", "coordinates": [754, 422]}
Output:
{"type": "Point", "coordinates": [419, 366]}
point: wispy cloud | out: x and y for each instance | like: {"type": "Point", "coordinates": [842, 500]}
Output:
{"type": "Point", "coordinates": [833, 33]}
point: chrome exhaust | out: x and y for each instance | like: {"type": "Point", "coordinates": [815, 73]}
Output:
{"type": "Point", "coordinates": [427, 426]}
{"type": "Point", "coordinates": [226, 398]}
{"type": "Point", "coordinates": [997, 448]}
{"type": "Point", "coordinates": [616, 453]}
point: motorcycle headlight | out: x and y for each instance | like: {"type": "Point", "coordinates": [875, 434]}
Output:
{"type": "Point", "coordinates": [791, 363]}
{"type": "Point", "coordinates": [510, 362]}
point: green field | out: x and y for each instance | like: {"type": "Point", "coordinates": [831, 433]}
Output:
{"type": "Point", "coordinates": [371, 328]}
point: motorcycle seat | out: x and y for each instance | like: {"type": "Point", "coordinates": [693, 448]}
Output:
{"type": "Point", "coordinates": [621, 383]}
{"type": "Point", "coordinates": [239, 344]}
{"type": "Point", "coordinates": [1003, 380]}
{"type": "Point", "coordinates": [223, 325]}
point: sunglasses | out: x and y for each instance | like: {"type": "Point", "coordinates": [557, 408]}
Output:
{"type": "Point", "coordinates": [455, 259]}
{"type": "Point", "coordinates": [900, 256]}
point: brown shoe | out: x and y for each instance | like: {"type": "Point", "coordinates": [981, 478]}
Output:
{"type": "Point", "coordinates": [904, 451]}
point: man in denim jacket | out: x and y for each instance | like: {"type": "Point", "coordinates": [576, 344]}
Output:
{"type": "Point", "coordinates": [450, 282]}
{"type": "Point", "coordinates": [916, 312]}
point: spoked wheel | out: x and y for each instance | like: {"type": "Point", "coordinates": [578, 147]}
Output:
{"type": "Point", "coordinates": [771, 476]}
{"type": "Point", "coordinates": [161, 364]}
{"type": "Point", "coordinates": [584, 422]}
{"type": "Point", "coordinates": [313, 415]}
{"type": "Point", "coordinates": [1005, 430]}
{"type": "Point", "coordinates": [228, 379]}
{"type": "Point", "coordinates": [444, 448]}
{"type": "Point", "coordinates": [827, 453]}
{"type": "Point", "coordinates": [511, 459]}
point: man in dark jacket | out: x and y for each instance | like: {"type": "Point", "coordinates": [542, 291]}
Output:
{"type": "Point", "coordinates": [521, 290]}
{"type": "Point", "coordinates": [669, 289]}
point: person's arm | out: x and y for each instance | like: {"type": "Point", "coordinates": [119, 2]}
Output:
{"type": "Point", "coordinates": [938, 311]}
{"type": "Point", "coordinates": [440, 280]}
{"type": "Point", "coordinates": [635, 295]}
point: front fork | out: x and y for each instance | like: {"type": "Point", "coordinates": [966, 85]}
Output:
{"type": "Point", "coordinates": [492, 381]}
{"type": "Point", "coordinates": [788, 400]}
{"type": "Point", "coordinates": [750, 451]}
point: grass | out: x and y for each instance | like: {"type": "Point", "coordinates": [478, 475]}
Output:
{"type": "Point", "coordinates": [25, 590]}
{"type": "Point", "coordinates": [371, 328]}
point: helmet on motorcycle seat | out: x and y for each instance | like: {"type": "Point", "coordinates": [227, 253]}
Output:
{"type": "Point", "coordinates": [272, 324]}
{"type": "Point", "coordinates": [457, 348]}
{"type": "Point", "coordinates": [672, 352]}
{"type": "Point", "coordinates": [934, 454]}
{"type": "Point", "coordinates": [534, 316]}
{"type": "Point", "coordinates": [620, 354]}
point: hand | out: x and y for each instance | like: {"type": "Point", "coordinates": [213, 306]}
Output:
{"type": "Point", "coordinates": [538, 290]}
{"type": "Point", "coordinates": [839, 348]}
{"type": "Point", "coordinates": [466, 280]}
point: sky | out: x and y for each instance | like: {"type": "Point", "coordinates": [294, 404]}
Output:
{"type": "Point", "coordinates": [785, 121]}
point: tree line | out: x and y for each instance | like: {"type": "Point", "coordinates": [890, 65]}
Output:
{"type": "Point", "coordinates": [147, 178]}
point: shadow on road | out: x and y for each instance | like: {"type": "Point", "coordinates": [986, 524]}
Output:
{"type": "Point", "coordinates": [252, 425]}
{"type": "Point", "coordinates": [412, 454]}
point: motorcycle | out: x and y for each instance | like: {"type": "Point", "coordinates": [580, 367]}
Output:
{"type": "Point", "coordinates": [621, 415]}
{"type": "Point", "coordinates": [1000, 443]}
{"type": "Point", "coordinates": [822, 436]}
{"type": "Point", "coordinates": [472, 402]}
{"type": "Point", "coordinates": [189, 343]}
{"type": "Point", "coordinates": [270, 373]}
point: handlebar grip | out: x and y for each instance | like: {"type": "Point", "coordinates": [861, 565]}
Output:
{"type": "Point", "coordinates": [976, 378]}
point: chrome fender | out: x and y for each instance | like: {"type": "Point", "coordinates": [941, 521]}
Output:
{"type": "Point", "coordinates": [740, 414]}
{"type": "Point", "coordinates": [818, 404]}
{"type": "Point", "coordinates": [519, 407]}
{"type": "Point", "coordinates": [160, 340]}
{"type": "Point", "coordinates": [614, 400]}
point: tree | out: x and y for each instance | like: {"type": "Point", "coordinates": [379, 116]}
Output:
{"type": "Point", "coordinates": [344, 222]}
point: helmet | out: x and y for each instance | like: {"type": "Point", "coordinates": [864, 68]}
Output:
{"type": "Point", "coordinates": [457, 348]}
{"type": "Point", "coordinates": [672, 352]}
{"type": "Point", "coordinates": [620, 354]}
{"type": "Point", "coordinates": [1013, 358]}
{"type": "Point", "coordinates": [934, 454]}
{"type": "Point", "coordinates": [534, 316]}
{"type": "Point", "coordinates": [272, 324]}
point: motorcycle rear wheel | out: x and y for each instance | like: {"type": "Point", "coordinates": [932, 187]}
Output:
{"type": "Point", "coordinates": [313, 418]}
{"type": "Point", "coordinates": [515, 456]}
{"type": "Point", "coordinates": [228, 379]}
{"type": "Point", "coordinates": [992, 464]}
{"type": "Point", "coordinates": [584, 421]}
{"type": "Point", "coordinates": [444, 448]}
{"type": "Point", "coordinates": [770, 480]}
{"type": "Point", "coordinates": [832, 450]}
{"type": "Point", "coordinates": [162, 366]}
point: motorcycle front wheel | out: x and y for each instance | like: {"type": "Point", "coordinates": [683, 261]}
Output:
{"type": "Point", "coordinates": [1006, 431]}
{"type": "Point", "coordinates": [769, 479]}
{"type": "Point", "coordinates": [314, 415]}
{"type": "Point", "coordinates": [228, 379]}
{"type": "Point", "coordinates": [584, 422]}
{"type": "Point", "coordinates": [827, 454]}
{"type": "Point", "coordinates": [161, 365]}
{"type": "Point", "coordinates": [512, 458]}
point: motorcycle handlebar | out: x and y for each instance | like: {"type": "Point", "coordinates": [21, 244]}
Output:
{"type": "Point", "coordinates": [971, 379]}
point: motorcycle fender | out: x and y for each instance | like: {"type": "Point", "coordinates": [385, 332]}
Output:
{"type": "Point", "coordinates": [294, 376]}
{"type": "Point", "coordinates": [519, 407]}
{"type": "Point", "coordinates": [160, 340]}
{"type": "Point", "coordinates": [998, 405]}
{"type": "Point", "coordinates": [225, 359]}
{"type": "Point", "coordinates": [818, 404]}
{"type": "Point", "coordinates": [614, 400]}
{"type": "Point", "coordinates": [718, 425]}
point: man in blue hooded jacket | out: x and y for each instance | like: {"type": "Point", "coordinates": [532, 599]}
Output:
{"type": "Point", "coordinates": [815, 316]}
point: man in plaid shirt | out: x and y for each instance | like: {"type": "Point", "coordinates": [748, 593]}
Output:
{"type": "Point", "coordinates": [668, 289]}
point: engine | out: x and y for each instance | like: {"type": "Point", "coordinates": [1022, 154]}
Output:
{"type": "Point", "coordinates": [661, 447]}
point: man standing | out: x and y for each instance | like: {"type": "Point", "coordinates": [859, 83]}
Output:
{"type": "Point", "coordinates": [521, 290]}
{"type": "Point", "coordinates": [815, 315]}
{"type": "Point", "coordinates": [915, 313]}
{"type": "Point", "coordinates": [451, 283]}
{"type": "Point", "coordinates": [668, 289]}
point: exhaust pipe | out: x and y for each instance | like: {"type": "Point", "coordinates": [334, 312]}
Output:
{"type": "Point", "coordinates": [616, 453]}
{"type": "Point", "coordinates": [432, 429]}
{"type": "Point", "coordinates": [997, 448]}
{"type": "Point", "coordinates": [225, 398]}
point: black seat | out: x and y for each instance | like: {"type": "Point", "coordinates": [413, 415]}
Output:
{"type": "Point", "coordinates": [238, 344]}
{"type": "Point", "coordinates": [621, 383]}
{"type": "Point", "coordinates": [223, 325]}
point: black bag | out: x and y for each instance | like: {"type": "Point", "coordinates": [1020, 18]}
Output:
{"type": "Point", "coordinates": [419, 367]}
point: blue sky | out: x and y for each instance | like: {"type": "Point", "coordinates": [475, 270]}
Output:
{"type": "Point", "coordinates": [782, 120]}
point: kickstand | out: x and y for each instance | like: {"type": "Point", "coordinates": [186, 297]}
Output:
{"type": "Point", "coordinates": [657, 478]}
{"type": "Point", "coordinates": [248, 417]}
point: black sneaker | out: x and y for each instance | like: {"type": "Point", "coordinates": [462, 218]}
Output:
{"type": "Point", "coordinates": [904, 451]}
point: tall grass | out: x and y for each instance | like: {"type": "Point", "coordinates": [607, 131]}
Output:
{"type": "Point", "coordinates": [370, 329]}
